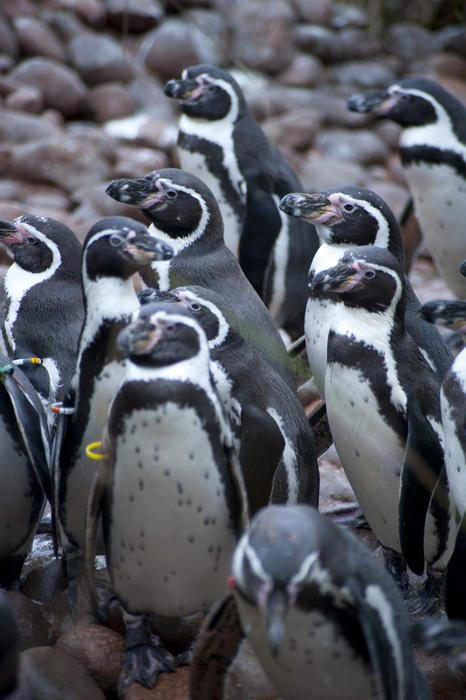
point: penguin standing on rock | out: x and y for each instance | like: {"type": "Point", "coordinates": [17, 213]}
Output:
{"type": "Point", "coordinates": [41, 299]}
{"type": "Point", "coordinates": [276, 443]}
{"type": "Point", "coordinates": [323, 617]}
{"type": "Point", "coordinates": [346, 217]}
{"type": "Point", "coordinates": [221, 142]}
{"type": "Point", "coordinates": [114, 250]}
{"type": "Point", "coordinates": [432, 148]}
{"type": "Point", "coordinates": [170, 491]}
{"type": "Point", "coordinates": [184, 213]}
{"type": "Point", "coordinates": [384, 413]}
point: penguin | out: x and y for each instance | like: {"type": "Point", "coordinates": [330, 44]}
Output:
{"type": "Point", "coordinates": [24, 468]}
{"type": "Point", "coordinates": [275, 441]}
{"type": "Point", "coordinates": [321, 614]}
{"type": "Point", "coordinates": [346, 217]}
{"type": "Point", "coordinates": [41, 300]}
{"type": "Point", "coordinates": [184, 213]}
{"type": "Point", "coordinates": [220, 141]}
{"type": "Point", "coordinates": [170, 490]}
{"type": "Point", "coordinates": [383, 408]}
{"type": "Point", "coordinates": [452, 315]}
{"type": "Point", "coordinates": [432, 148]}
{"type": "Point", "coordinates": [114, 249]}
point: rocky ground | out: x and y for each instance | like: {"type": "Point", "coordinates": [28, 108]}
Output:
{"type": "Point", "coordinates": [81, 103]}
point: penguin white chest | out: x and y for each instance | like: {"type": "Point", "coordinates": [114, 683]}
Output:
{"type": "Point", "coordinates": [171, 538]}
{"type": "Point", "coordinates": [314, 655]}
{"type": "Point", "coordinates": [370, 451]}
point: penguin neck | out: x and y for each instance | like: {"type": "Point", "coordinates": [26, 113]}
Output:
{"type": "Point", "coordinates": [328, 255]}
{"type": "Point", "coordinates": [437, 134]}
{"type": "Point", "coordinates": [109, 298]}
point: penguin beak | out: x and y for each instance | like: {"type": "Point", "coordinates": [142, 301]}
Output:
{"type": "Point", "coordinates": [186, 90]}
{"type": "Point", "coordinates": [449, 314]}
{"type": "Point", "coordinates": [275, 612]}
{"type": "Point", "coordinates": [339, 279]}
{"type": "Point", "coordinates": [463, 268]}
{"type": "Point", "coordinates": [315, 207]}
{"type": "Point", "coordinates": [11, 233]}
{"type": "Point", "coordinates": [138, 338]}
{"type": "Point", "coordinates": [144, 248]}
{"type": "Point", "coordinates": [143, 192]}
{"type": "Point", "coordinates": [373, 102]}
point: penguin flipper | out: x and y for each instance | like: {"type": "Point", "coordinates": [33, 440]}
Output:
{"type": "Point", "coordinates": [262, 443]}
{"type": "Point", "coordinates": [455, 601]}
{"type": "Point", "coordinates": [32, 423]}
{"type": "Point", "coordinates": [422, 466]}
{"type": "Point", "coordinates": [216, 646]}
{"type": "Point", "coordinates": [378, 634]}
{"type": "Point", "coordinates": [260, 229]}
{"type": "Point", "coordinates": [93, 514]}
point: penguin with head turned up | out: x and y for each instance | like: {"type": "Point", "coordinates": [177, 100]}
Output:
{"type": "Point", "coordinates": [432, 148]}
{"type": "Point", "coordinates": [113, 251]}
{"type": "Point", "coordinates": [220, 141]}
{"type": "Point", "coordinates": [171, 491]}
{"type": "Point", "coordinates": [346, 217]}
{"type": "Point", "coordinates": [384, 413]}
{"type": "Point", "coordinates": [276, 444]}
{"type": "Point", "coordinates": [184, 213]}
{"type": "Point", "coordinates": [322, 616]}
{"type": "Point", "coordinates": [41, 301]}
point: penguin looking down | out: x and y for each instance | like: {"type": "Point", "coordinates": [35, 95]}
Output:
{"type": "Point", "coordinates": [320, 613]}
{"type": "Point", "coordinates": [41, 300]}
{"type": "Point", "coordinates": [383, 408]}
{"type": "Point", "coordinates": [220, 141]}
{"type": "Point", "coordinates": [432, 148]}
{"type": "Point", "coordinates": [171, 493]}
{"type": "Point", "coordinates": [114, 249]}
{"type": "Point", "coordinates": [276, 443]}
{"type": "Point", "coordinates": [184, 213]}
{"type": "Point", "coordinates": [346, 217]}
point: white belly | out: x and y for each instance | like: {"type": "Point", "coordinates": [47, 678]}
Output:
{"type": "Point", "coordinates": [171, 538]}
{"type": "Point", "coordinates": [370, 451]}
{"type": "Point", "coordinates": [440, 204]}
{"type": "Point", "coordinates": [316, 329]}
{"type": "Point", "coordinates": [312, 662]}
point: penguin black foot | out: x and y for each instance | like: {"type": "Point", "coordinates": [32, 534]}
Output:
{"type": "Point", "coordinates": [426, 599]}
{"type": "Point", "coordinates": [145, 656]}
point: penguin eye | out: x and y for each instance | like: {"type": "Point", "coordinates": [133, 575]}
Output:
{"type": "Point", "coordinates": [210, 89]}
{"type": "Point", "coordinates": [349, 207]}
{"type": "Point", "coordinates": [195, 306]}
{"type": "Point", "coordinates": [369, 274]}
{"type": "Point", "coordinates": [171, 194]}
{"type": "Point", "coordinates": [31, 240]}
{"type": "Point", "coordinates": [115, 241]}
{"type": "Point", "coordinates": [170, 328]}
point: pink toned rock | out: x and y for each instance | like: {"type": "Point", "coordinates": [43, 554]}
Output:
{"type": "Point", "coordinates": [37, 39]}
{"type": "Point", "coordinates": [32, 626]}
{"type": "Point", "coordinates": [304, 70]}
{"type": "Point", "coordinates": [100, 59]}
{"type": "Point", "coordinates": [25, 99]}
{"type": "Point", "coordinates": [133, 15]}
{"type": "Point", "coordinates": [170, 686]}
{"type": "Point", "coordinates": [110, 101]}
{"type": "Point", "coordinates": [296, 130]}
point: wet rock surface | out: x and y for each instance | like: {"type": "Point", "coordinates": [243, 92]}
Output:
{"type": "Point", "coordinates": [82, 103]}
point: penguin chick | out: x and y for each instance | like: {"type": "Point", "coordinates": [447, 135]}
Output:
{"type": "Point", "coordinates": [41, 300]}
{"type": "Point", "coordinates": [221, 142]}
{"type": "Point", "coordinates": [171, 492]}
{"type": "Point", "coordinates": [383, 409]}
{"type": "Point", "coordinates": [184, 213]}
{"type": "Point", "coordinates": [114, 249]}
{"type": "Point", "coordinates": [347, 217]}
{"type": "Point", "coordinates": [432, 148]}
{"type": "Point", "coordinates": [318, 610]}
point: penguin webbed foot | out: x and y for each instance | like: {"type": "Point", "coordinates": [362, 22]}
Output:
{"type": "Point", "coordinates": [145, 658]}
{"type": "Point", "coordinates": [425, 599]}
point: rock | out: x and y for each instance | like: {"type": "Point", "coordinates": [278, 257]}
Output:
{"type": "Point", "coordinates": [322, 172]}
{"type": "Point", "coordinates": [296, 130]}
{"type": "Point", "coordinates": [315, 12]}
{"type": "Point", "coordinates": [444, 683]}
{"type": "Point", "coordinates": [246, 679]}
{"type": "Point", "coordinates": [449, 64]}
{"type": "Point", "coordinates": [388, 131]}
{"type": "Point", "coordinates": [32, 626]}
{"type": "Point", "coordinates": [262, 37]}
{"type": "Point", "coordinates": [408, 41]}
{"type": "Point", "coordinates": [170, 686]}
{"type": "Point", "coordinates": [37, 39]}
{"type": "Point", "coordinates": [133, 15]}
{"type": "Point", "coordinates": [99, 59]}
{"type": "Point", "coordinates": [330, 45]}
{"type": "Point", "coordinates": [366, 75]}
{"type": "Point", "coordinates": [451, 39]}
{"type": "Point", "coordinates": [93, 203]}
{"type": "Point", "coordinates": [20, 8]}
{"type": "Point", "coordinates": [25, 99]}
{"type": "Point", "coordinates": [110, 101]}
{"type": "Point", "coordinates": [51, 674]}
{"type": "Point", "coordinates": [9, 646]}
{"type": "Point", "coordinates": [66, 24]}
{"type": "Point", "coordinates": [18, 128]}
{"type": "Point", "coordinates": [61, 87]}
{"type": "Point", "coordinates": [173, 46]}
{"type": "Point", "coordinates": [134, 162]}
{"type": "Point", "coordinates": [147, 93]}
{"type": "Point", "coordinates": [46, 580]}
{"type": "Point", "coordinates": [8, 40]}
{"type": "Point", "coordinates": [100, 650]}
{"type": "Point", "coordinates": [215, 34]}
{"type": "Point", "coordinates": [345, 15]}
{"type": "Point", "coordinates": [305, 70]}
{"type": "Point", "coordinates": [90, 11]}
{"type": "Point", "coordinates": [360, 145]}
{"type": "Point", "coordinates": [334, 487]}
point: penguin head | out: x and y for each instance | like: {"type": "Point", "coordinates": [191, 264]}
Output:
{"type": "Point", "coordinates": [179, 205]}
{"type": "Point", "coordinates": [449, 314]}
{"type": "Point", "coordinates": [369, 277]}
{"type": "Point", "coordinates": [207, 92]}
{"type": "Point", "coordinates": [38, 244]}
{"type": "Point", "coordinates": [276, 561]}
{"type": "Point", "coordinates": [348, 216]}
{"type": "Point", "coordinates": [162, 334]}
{"type": "Point", "coordinates": [118, 247]}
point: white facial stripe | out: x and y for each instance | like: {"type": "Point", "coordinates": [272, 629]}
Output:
{"type": "Point", "coordinates": [377, 600]}
{"type": "Point", "coordinates": [305, 568]}
{"type": "Point", "coordinates": [280, 261]}
{"type": "Point", "coordinates": [223, 326]}
{"type": "Point", "coordinates": [18, 281]}
{"type": "Point", "coordinates": [383, 234]}
{"type": "Point", "coordinates": [288, 457]}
